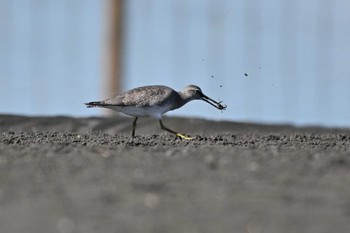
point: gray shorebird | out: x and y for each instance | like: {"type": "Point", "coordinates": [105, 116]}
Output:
{"type": "Point", "coordinates": [153, 101]}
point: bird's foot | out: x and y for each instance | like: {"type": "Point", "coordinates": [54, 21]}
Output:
{"type": "Point", "coordinates": [183, 136]}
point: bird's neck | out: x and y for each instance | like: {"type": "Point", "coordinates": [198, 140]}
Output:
{"type": "Point", "coordinates": [181, 100]}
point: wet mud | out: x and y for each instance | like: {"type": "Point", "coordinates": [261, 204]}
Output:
{"type": "Point", "coordinates": [62, 174]}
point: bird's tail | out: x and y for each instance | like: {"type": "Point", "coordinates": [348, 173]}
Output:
{"type": "Point", "coordinates": [95, 104]}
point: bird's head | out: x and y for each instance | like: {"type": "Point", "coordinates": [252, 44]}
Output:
{"type": "Point", "coordinates": [193, 92]}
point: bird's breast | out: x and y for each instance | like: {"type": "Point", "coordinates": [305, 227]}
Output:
{"type": "Point", "coordinates": [145, 111]}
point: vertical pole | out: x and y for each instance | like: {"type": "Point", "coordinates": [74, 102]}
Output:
{"type": "Point", "coordinates": [113, 50]}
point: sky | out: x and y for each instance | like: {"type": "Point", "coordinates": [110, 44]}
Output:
{"type": "Point", "coordinates": [295, 55]}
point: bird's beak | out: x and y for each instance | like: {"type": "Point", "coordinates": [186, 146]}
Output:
{"type": "Point", "coordinates": [212, 102]}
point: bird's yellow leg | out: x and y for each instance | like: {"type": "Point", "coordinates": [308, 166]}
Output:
{"type": "Point", "coordinates": [173, 132]}
{"type": "Point", "coordinates": [183, 136]}
{"type": "Point", "coordinates": [134, 127]}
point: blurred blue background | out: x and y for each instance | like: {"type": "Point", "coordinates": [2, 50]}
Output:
{"type": "Point", "coordinates": [296, 55]}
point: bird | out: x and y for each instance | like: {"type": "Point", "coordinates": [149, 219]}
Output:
{"type": "Point", "coordinates": [154, 101]}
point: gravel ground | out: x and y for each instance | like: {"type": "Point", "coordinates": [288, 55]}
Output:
{"type": "Point", "coordinates": [65, 175]}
